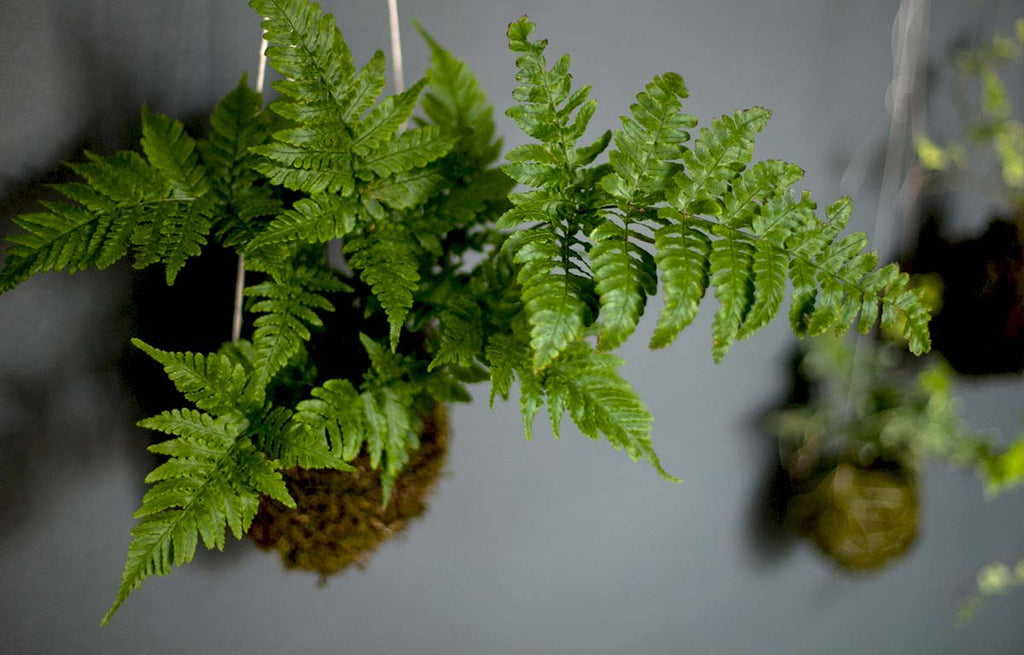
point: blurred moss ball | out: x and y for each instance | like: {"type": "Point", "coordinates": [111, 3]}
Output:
{"type": "Point", "coordinates": [338, 520]}
{"type": "Point", "coordinates": [860, 517]}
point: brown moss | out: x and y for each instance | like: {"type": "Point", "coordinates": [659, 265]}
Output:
{"type": "Point", "coordinates": [338, 520]}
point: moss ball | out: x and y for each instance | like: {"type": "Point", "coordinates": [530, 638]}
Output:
{"type": "Point", "coordinates": [860, 517]}
{"type": "Point", "coordinates": [338, 520]}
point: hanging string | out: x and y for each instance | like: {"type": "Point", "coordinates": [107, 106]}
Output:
{"type": "Point", "coordinates": [236, 319]}
{"type": "Point", "coordinates": [396, 46]}
{"type": "Point", "coordinates": [900, 186]}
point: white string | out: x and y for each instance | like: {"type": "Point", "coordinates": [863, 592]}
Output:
{"type": "Point", "coordinates": [899, 188]}
{"type": "Point", "coordinates": [236, 319]}
{"type": "Point", "coordinates": [396, 46]}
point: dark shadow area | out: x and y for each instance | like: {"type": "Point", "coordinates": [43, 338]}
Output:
{"type": "Point", "coordinates": [980, 327]}
{"type": "Point", "coordinates": [769, 537]}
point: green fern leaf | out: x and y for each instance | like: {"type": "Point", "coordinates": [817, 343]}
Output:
{"type": "Point", "coordinates": [552, 298]}
{"type": "Point", "coordinates": [172, 152]}
{"type": "Point", "coordinates": [365, 88]}
{"type": "Point", "coordinates": [412, 149]}
{"type": "Point", "coordinates": [237, 124]}
{"type": "Point", "coordinates": [212, 382]}
{"type": "Point", "coordinates": [307, 49]}
{"type": "Point", "coordinates": [455, 101]}
{"type": "Point", "coordinates": [770, 267]}
{"type": "Point", "coordinates": [289, 301]}
{"type": "Point", "coordinates": [682, 254]}
{"type": "Point", "coordinates": [587, 384]}
{"type": "Point", "coordinates": [649, 143]}
{"type": "Point", "coordinates": [732, 278]}
{"type": "Point", "coordinates": [212, 481]}
{"type": "Point", "coordinates": [405, 190]}
{"type": "Point", "coordinates": [377, 421]}
{"type": "Point", "coordinates": [386, 259]}
{"type": "Point", "coordinates": [625, 274]}
{"type": "Point", "coordinates": [304, 159]}
{"type": "Point", "coordinates": [317, 219]}
{"type": "Point", "coordinates": [716, 157]}
{"type": "Point", "coordinates": [384, 120]}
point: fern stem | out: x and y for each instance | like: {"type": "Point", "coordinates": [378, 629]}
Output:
{"type": "Point", "coordinates": [236, 318]}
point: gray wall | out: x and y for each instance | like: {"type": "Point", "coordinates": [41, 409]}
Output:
{"type": "Point", "coordinates": [548, 547]}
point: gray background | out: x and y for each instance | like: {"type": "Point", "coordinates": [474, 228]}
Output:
{"type": "Point", "coordinates": [548, 546]}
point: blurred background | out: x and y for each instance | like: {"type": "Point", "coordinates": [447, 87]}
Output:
{"type": "Point", "coordinates": [547, 546]}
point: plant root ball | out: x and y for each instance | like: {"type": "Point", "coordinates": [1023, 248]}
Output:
{"type": "Point", "coordinates": [862, 518]}
{"type": "Point", "coordinates": [338, 520]}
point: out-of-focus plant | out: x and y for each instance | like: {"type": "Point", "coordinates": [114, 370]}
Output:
{"type": "Point", "coordinates": [854, 449]}
{"type": "Point", "coordinates": [992, 120]}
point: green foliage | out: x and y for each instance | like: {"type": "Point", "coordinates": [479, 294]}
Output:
{"type": "Point", "coordinates": [436, 294]}
{"type": "Point", "coordinates": [712, 220]}
{"type": "Point", "coordinates": [991, 117]}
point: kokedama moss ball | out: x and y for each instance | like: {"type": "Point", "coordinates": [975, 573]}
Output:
{"type": "Point", "coordinates": [338, 520]}
{"type": "Point", "coordinates": [860, 517]}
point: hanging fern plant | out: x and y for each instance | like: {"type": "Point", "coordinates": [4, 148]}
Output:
{"type": "Point", "coordinates": [439, 295]}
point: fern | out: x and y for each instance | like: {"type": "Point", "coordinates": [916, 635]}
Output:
{"type": "Point", "coordinates": [155, 206]}
{"type": "Point", "coordinates": [643, 162]}
{"type": "Point", "coordinates": [419, 213]}
{"type": "Point", "coordinates": [237, 125]}
{"type": "Point", "coordinates": [289, 302]}
{"type": "Point", "coordinates": [387, 261]}
{"type": "Point", "coordinates": [213, 478]}
{"type": "Point", "coordinates": [554, 275]}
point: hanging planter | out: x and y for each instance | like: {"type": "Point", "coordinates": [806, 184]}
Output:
{"type": "Point", "coordinates": [852, 448]}
{"type": "Point", "coordinates": [861, 517]}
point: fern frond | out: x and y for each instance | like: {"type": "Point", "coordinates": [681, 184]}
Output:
{"type": "Point", "coordinates": [648, 144]}
{"type": "Point", "coordinates": [554, 272]}
{"type": "Point", "coordinates": [412, 149]}
{"type": "Point", "coordinates": [289, 300]}
{"type": "Point", "coordinates": [732, 277]}
{"type": "Point", "coordinates": [587, 385]}
{"type": "Point", "coordinates": [683, 254]}
{"type": "Point", "coordinates": [625, 274]}
{"type": "Point", "coordinates": [236, 125]}
{"type": "Point", "coordinates": [404, 190]}
{"type": "Point", "coordinates": [553, 297]}
{"type": "Point", "coordinates": [386, 259]}
{"type": "Point", "coordinates": [310, 160]}
{"type": "Point", "coordinates": [307, 49]}
{"type": "Point", "coordinates": [365, 88]}
{"type": "Point", "coordinates": [277, 435]}
{"type": "Point", "coordinates": [212, 481]}
{"type": "Point", "coordinates": [377, 421]}
{"type": "Point", "coordinates": [317, 219]}
{"type": "Point", "coordinates": [721, 151]}
{"type": "Point", "coordinates": [159, 207]}
{"type": "Point", "coordinates": [455, 101]}
{"type": "Point", "coordinates": [384, 120]}
{"type": "Point", "coordinates": [212, 382]}
{"type": "Point", "coordinates": [461, 329]}
{"type": "Point", "coordinates": [173, 152]}
{"type": "Point", "coordinates": [762, 231]}
{"type": "Point", "coordinates": [546, 100]}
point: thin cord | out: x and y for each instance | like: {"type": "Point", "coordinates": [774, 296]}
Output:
{"type": "Point", "coordinates": [396, 46]}
{"type": "Point", "coordinates": [236, 319]}
{"type": "Point", "coordinates": [899, 188]}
